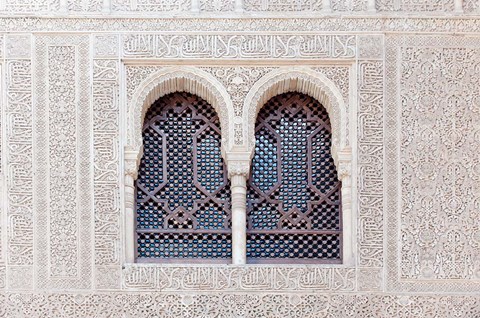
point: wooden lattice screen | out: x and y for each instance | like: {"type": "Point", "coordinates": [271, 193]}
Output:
{"type": "Point", "coordinates": [183, 193]}
{"type": "Point", "coordinates": [293, 192]}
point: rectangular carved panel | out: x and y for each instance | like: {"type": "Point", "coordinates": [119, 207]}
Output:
{"type": "Point", "coordinates": [227, 278]}
{"type": "Point", "coordinates": [63, 183]}
{"type": "Point", "coordinates": [151, 5]}
{"type": "Point", "coordinates": [440, 161]}
{"type": "Point", "coordinates": [416, 6]}
{"type": "Point", "coordinates": [31, 5]}
{"type": "Point", "coordinates": [370, 174]}
{"type": "Point", "coordinates": [248, 46]}
{"type": "Point", "coordinates": [432, 156]}
{"type": "Point", "coordinates": [370, 161]}
{"type": "Point", "coordinates": [106, 162]}
{"type": "Point", "coordinates": [18, 163]}
{"type": "Point", "coordinates": [19, 174]}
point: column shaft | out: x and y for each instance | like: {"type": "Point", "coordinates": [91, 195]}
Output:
{"type": "Point", "coordinates": [239, 219]}
{"type": "Point", "coordinates": [129, 219]}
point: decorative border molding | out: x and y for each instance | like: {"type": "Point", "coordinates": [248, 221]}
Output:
{"type": "Point", "coordinates": [353, 25]}
{"type": "Point", "coordinates": [240, 7]}
{"type": "Point", "coordinates": [173, 305]}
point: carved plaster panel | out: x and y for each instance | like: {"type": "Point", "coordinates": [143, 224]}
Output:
{"type": "Point", "coordinates": [106, 46]}
{"type": "Point", "coordinates": [17, 46]}
{"type": "Point", "coordinates": [2, 41]}
{"type": "Point", "coordinates": [371, 46]}
{"type": "Point", "coordinates": [440, 163]}
{"type": "Point", "coordinates": [108, 277]}
{"type": "Point", "coordinates": [63, 181]}
{"type": "Point", "coordinates": [22, 6]}
{"type": "Point", "coordinates": [283, 5]}
{"type": "Point", "coordinates": [85, 5]}
{"type": "Point", "coordinates": [471, 6]}
{"type": "Point", "coordinates": [415, 6]}
{"type": "Point", "coordinates": [3, 276]}
{"type": "Point", "coordinates": [217, 5]}
{"type": "Point", "coordinates": [151, 5]}
{"type": "Point", "coordinates": [432, 191]}
{"type": "Point", "coordinates": [349, 5]}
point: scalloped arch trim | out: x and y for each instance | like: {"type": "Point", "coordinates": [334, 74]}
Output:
{"type": "Point", "coordinates": [177, 79]}
{"type": "Point", "coordinates": [302, 80]}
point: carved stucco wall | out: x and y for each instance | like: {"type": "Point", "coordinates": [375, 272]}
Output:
{"type": "Point", "coordinates": [412, 108]}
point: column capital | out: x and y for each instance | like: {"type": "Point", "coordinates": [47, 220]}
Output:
{"type": "Point", "coordinates": [238, 163]}
{"type": "Point", "coordinates": [344, 169]}
{"type": "Point", "coordinates": [132, 161]}
{"type": "Point", "coordinates": [238, 168]}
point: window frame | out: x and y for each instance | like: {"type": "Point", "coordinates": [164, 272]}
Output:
{"type": "Point", "coordinates": [237, 157]}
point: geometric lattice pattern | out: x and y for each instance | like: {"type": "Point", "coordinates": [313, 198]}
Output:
{"type": "Point", "coordinates": [183, 193]}
{"type": "Point", "coordinates": [293, 192]}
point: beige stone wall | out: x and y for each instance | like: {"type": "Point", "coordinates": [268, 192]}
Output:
{"type": "Point", "coordinates": [403, 92]}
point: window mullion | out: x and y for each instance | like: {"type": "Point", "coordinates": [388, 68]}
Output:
{"type": "Point", "coordinates": [238, 175]}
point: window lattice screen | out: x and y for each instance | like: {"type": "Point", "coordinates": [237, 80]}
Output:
{"type": "Point", "coordinates": [183, 194]}
{"type": "Point", "coordinates": [293, 190]}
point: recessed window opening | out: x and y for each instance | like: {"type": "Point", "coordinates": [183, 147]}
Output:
{"type": "Point", "coordinates": [294, 195]}
{"type": "Point", "coordinates": [182, 190]}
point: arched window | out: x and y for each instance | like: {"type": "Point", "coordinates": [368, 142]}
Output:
{"type": "Point", "coordinates": [293, 199]}
{"type": "Point", "coordinates": [182, 190]}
